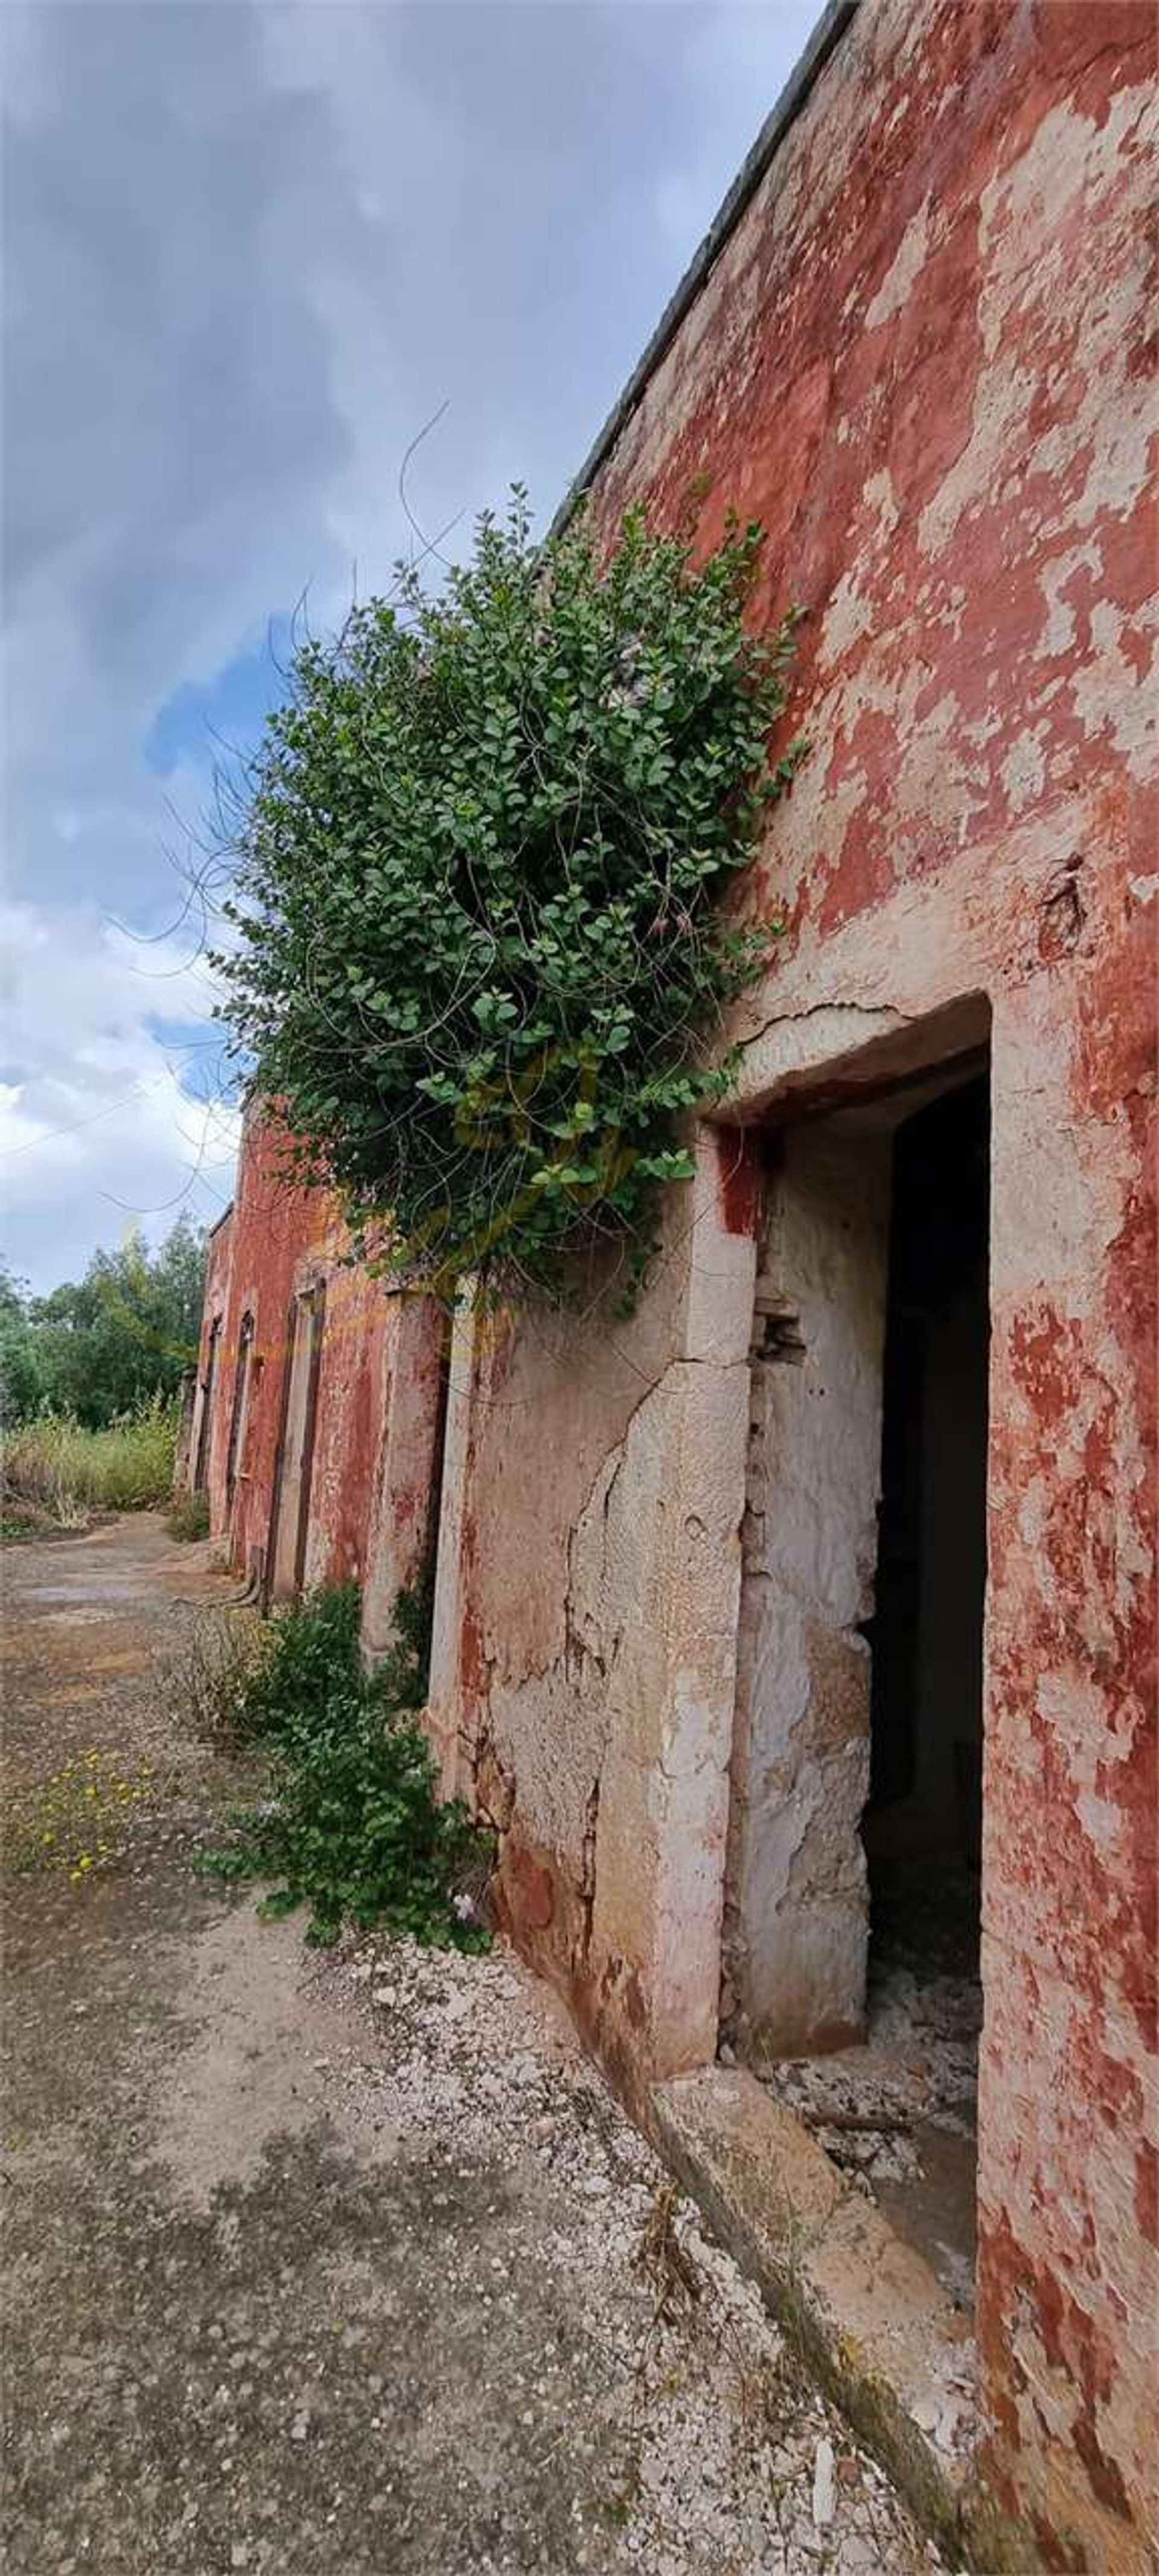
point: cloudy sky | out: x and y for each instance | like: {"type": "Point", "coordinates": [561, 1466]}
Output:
{"type": "Point", "coordinates": [249, 250]}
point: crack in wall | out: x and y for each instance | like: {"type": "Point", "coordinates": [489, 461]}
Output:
{"type": "Point", "coordinates": [587, 1888]}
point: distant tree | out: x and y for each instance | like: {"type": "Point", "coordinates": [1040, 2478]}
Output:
{"type": "Point", "coordinates": [179, 1275]}
{"type": "Point", "coordinates": [126, 1331]}
{"type": "Point", "coordinates": [21, 1378]}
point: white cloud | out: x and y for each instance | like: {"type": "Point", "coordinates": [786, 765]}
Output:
{"type": "Point", "coordinates": [104, 1122]}
{"type": "Point", "coordinates": [249, 250]}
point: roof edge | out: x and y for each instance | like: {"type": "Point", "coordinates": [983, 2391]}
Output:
{"type": "Point", "coordinates": [827, 33]}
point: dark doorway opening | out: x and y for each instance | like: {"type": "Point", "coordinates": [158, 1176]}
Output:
{"type": "Point", "coordinates": [923, 1824]}
{"type": "Point", "coordinates": [878, 1239]}
{"type": "Point", "coordinates": [926, 1633]}
{"type": "Point", "coordinates": [205, 1425]}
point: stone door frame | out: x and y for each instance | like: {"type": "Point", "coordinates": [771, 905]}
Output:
{"type": "Point", "coordinates": [829, 1058]}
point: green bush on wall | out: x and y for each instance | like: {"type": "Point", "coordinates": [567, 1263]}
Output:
{"type": "Point", "coordinates": [480, 944]}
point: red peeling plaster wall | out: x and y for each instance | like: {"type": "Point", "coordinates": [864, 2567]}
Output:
{"type": "Point", "coordinates": [379, 1403]}
{"type": "Point", "coordinates": [281, 1238]}
{"type": "Point", "coordinates": [924, 359]}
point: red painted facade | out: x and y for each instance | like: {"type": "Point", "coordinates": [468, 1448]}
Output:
{"type": "Point", "coordinates": [924, 359]}
{"type": "Point", "coordinates": [277, 1239]}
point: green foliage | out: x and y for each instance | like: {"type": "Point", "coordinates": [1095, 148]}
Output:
{"type": "Point", "coordinates": [55, 1471]}
{"type": "Point", "coordinates": [353, 1828]}
{"type": "Point", "coordinates": [480, 943]}
{"type": "Point", "coordinates": [127, 1331]}
{"type": "Point", "coordinates": [189, 1518]}
{"type": "Point", "coordinates": [404, 1672]}
{"type": "Point", "coordinates": [21, 1374]}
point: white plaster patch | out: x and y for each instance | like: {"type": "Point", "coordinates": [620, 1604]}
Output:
{"type": "Point", "coordinates": [851, 613]}
{"type": "Point", "coordinates": [935, 786]}
{"type": "Point", "coordinates": [1101, 1823]}
{"type": "Point", "coordinates": [1001, 403]}
{"type": "Point", "coordinates": [1024, 770]}
{"type": "Point", "coordinates": [910, 258]}
{"type": "Point", "coordinates": [1059, 629]}
{"type": "Point", "coordinates": [1076, 1712]}
{"type": "Point", "coordinates": [1108, 693]}
{"type": "Point", "coordinates": [1105, 290]}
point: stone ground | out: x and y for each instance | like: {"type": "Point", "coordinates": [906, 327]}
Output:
{"type": "Point", "coordinates": [347, 2261]}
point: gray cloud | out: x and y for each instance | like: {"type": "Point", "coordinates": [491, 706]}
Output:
{"type": "Point", "coordinates": [249, 250]}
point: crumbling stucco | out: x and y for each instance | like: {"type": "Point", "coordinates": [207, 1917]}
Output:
{"type": "Point", "coordinates": [796, 1898]}
{"type": "Point", "coordinates": [922, 359]}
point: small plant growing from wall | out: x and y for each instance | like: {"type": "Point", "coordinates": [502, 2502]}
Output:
{"type": "Point", "coordinates": [481, 954]}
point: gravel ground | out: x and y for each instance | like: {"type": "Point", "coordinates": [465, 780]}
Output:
{"type": "Point", "coordinates": [916, 2074]}
{"type": "Point", "coordinates": [348, 2260]}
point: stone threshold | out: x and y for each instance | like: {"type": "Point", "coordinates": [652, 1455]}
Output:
{"type": "Point", "coordinates": [871, 2322]}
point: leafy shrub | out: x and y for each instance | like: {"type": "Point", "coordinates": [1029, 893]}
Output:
{"type": "Point", "coordinates": [57, 1471]}
{"type": "Point", "coordinates": [189, 1518]}
{"type": "Point", "coordinates": [353, 1828]}
{"type": "Point", "coordinates": [480, 942]}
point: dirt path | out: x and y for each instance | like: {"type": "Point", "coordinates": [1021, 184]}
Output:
{"type": "Point", "coordinates": [343, 2263]}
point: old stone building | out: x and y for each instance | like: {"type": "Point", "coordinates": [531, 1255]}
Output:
{"type": "Point", "coordinates": [795, 1635]}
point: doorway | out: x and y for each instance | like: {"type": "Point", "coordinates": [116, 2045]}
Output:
{"type": "Point", "coordinates": [240, 1413]}
{"type": "Point", "coordinates": [291, 1505]}
{"type": "Point", "coordinates": [853, 1899]}
{"type": "Point", "coordinates": [205, 1423]}
{"type": "Point", "coordinates": [923, 1823]}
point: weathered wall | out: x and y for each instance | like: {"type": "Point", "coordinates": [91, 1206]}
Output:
{"type": "Point", "coordinates": [279, 1239]}
{"type": "Point", "coordinates": [208, 1427]}
{"type": "Point", "coordinates": [585, 1622]}
{"type": "Point", "coordinates": [796, 1891]}
{"type": "Point", "coordinates": [922, 360]}
{"type": "Point", "coordinates": [378, 1418]}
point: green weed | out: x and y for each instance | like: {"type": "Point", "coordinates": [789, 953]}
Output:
{"type": "Point", "coordinates": [189, 1518]}
{"type": "Point", "coordinates": [353, 1828]}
